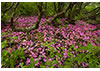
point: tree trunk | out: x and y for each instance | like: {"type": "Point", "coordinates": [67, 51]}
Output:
{"type": "Point", "coordinates": [40, 15]}
{"type": "Point", "coordinates": [8, 8]}
{"type": "Point", "coordinates": [62, 12]}
{"type": "Point", "coordinates": [55, 8]}
{"type": "Point", "coordinates": [13, 14]}
{"type": "Point", "coordinates": [45, 9]}
{"type": "Point", "coordinates": [60, 8]}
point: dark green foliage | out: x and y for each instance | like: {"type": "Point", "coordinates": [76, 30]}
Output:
{"type": "Point", "coordinates": [28, 8]}
{"type": "Point", "coordinates": [91, 57]}
{"type": "Point", "coordinates": [4, 44]}
{"type": "Point", "coordinates": [9, 57]}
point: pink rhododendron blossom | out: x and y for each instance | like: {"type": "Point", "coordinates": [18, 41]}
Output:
{"type": "Point", "coordinates": [93, 43]}
{"type": "Point", "coordinates": [76, 47]}
{"type": "Point", "coordinates": [59, 62]}
{"type": "Point", "coordinates": [37, 64]}
{"type": "Point", "coordinates": [83, 51]}
{"type": "Point", "coordinates": [45, 39]}
{"type": "Point", "coordinates": [39, 48]}
{"type": "Point", "coordinates": [44, 60]}
{"type": "Point", "coordinates": [47, 66]}
{"type": "Point", "coordinates": [28, 61]}
{"type": "Point", "coordinates": [65, 55]}
{"type": "Point", "coordinates": [10, 50]}
{"type": "Point", "coordinates": [50, 59]}
{"type": "Point", "coordinates": [18, 46]}
{"type": "Point", "coordinates": [74, 55]}
{"type": "Point", "coordinates": [84, 44]}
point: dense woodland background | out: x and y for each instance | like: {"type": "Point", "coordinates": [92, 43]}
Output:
{"type": "Point", "coordinates": [72, 11]}
{"type": "Point", "coordinates": [50, 31]}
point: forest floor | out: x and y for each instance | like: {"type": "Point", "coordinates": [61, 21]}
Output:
{"type": "Point", "coordinates": [66, 45]}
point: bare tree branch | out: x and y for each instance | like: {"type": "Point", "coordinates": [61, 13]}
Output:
{"type": "Point", "coordinates": [63, 12]}
{"type": "Point", "coordinates": [9, 8]}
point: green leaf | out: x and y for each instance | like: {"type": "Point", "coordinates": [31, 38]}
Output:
{"type": "Point", "coordinates": [47, 20]}
{"type": "Point", "coordinates": [35, 61]}
{"type": "Point", "coordinates": [22, 65]}
{"type": "Point", "coordinates": [84, 48]}
{"type": "Point", "coordinates": [44, 44]}
{"type": "Point", "coordinates": [4, 44]}
{"type": "Point", "coordinates": [42, 66]}
{"type": "Point", "coordinates": [58, 54]}
{"type": "Point", "coordinates": [98, 39]}
{"type": "Point", "coordinates": [67, 66]}
{"type": "Point", "coordinates": [60, 66]}
{"type": "Point", "coordinates": [49, 63]}
{"type": "Point", "coordinates": [98, 66]}
{"type": "Point", "coordinates": [51, 43]}
{"type": "Point", "coordinates": [57, 58]}
{"type": "Point", "coordinates": [63, 48]}
{"type": "Point", "coordinates": [4, 33]}
{"type": "Point", "coordinates": [51, 48]}
{"type": "Point", "coordinates": [31, 59]}
{"type": "Point", "coordinates": [12, 63]}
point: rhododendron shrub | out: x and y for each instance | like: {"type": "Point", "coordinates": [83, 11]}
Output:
{"type": "Point", "coordinates": [63, 46]}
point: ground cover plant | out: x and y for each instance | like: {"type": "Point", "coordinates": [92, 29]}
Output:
{"type": "Point", "coordinates": [56, 38]}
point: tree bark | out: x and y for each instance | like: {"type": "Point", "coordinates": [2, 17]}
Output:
{"type": "Point", "coordinates": [40, 15]}
{"type": "Point", "coordinates": [8, 8]}
{"type": "Point", "coordinates": [63, 12]}
{"type": "Point", "coordinates": [61, 8]}
{"type": "Point", "coordinates": [13, 14]}
{"type": "Point", "coordinates": [74, 12]}
{"type": "Point", "coordinates": [45, 10]}
{"type": "Point", "coordinates": [55, 8]}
